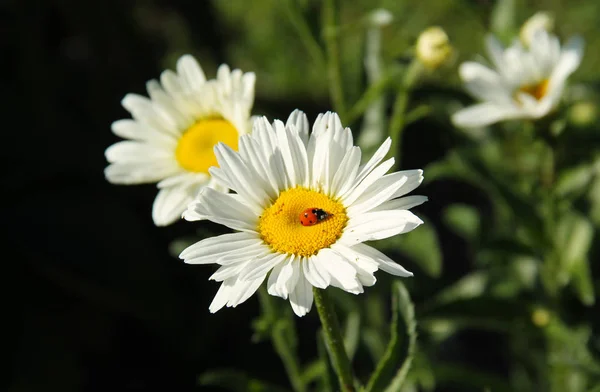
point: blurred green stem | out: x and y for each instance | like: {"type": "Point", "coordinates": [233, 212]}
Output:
{"type": "Point", "coordinates": [283, 348]}
{"type": "Point", "coordinates": [334, 72]}
{"type": "Point", "coordinates": [306, 37]}
{"type": "Point", "coordinates": [398, 120]}
{"type": "Point", "coordinates": [372, 95]}
{"type": "Point", "coordinates": [334, 340]}
{"type": "Point", "coordinates": [372, 130]}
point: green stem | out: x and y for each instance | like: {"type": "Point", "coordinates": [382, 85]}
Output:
{"type": "Point", "coordinates": [331, 36]}
{"type": "Point", "coordinates": [334, 340]}
{"type": "Point", "coordinates": [398, 120]}
{"type": "Point", "coordinates": [282, 346]}
{"type": "Point", "coordinates": [303, 30]}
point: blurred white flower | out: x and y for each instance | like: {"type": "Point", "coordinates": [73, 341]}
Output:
{"type": "Point", "coordinates": [172, 133]}
{"type": "Point", "coordinates": [381, 17]}
{"type": "Point", "coordinates": [302, 209]}
{"type": "Point", "coordinates": [539, 21]}
{"type": "Point", "coordinates": [526, 82]}
{"type": "Point", "coordinates": [433, 47]}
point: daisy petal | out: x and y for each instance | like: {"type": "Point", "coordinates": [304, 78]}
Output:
{"type": "Point", "coordinates": [484, 114]}
{"type": "Point", "coordinates": [385, 263]}
{"type": "Point", "coordinates": [301, 298]}
{"type": "Point", "coordinates": [378, 225]}
{"type": "Point", "coordinates": [171, 202]}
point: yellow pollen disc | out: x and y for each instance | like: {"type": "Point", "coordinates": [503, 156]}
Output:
{"type": "Point", "coordinates": [195, 148]}
{"type": "Point", "coordinates": [538, 90]}
{"type": "Point", "coordinates": [279, 225]}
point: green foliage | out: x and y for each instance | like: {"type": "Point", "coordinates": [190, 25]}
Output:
{"type": "Point", "coordinates": [393, 368]}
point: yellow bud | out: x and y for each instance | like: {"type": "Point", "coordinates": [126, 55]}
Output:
{"type": "Point", "coordinates": [583, 113]}
{"type": "Point", "coordinates": [540, 317]}
{"type": "Point", "coordinates": [433, 47]}
{"type": "Point", "coordinates": [539, 21]}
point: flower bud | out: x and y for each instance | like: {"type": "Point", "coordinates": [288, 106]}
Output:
{"type": "Point", "coordinates": [433, 47]}
{"type": "Point", "coordinates": [539, 21]}
{"type": "Point", "coordinates": [381, 17]}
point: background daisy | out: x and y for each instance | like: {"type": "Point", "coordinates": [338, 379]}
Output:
{"type": "Point", "coordinates": [281, 175]}
{"type": "Point", "coordinates": [526, 82]}
{"type": "Point", "coordinates": [173, 132]}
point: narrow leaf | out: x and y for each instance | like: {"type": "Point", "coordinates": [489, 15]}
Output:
{"type": "Point", "coordinates": [391, 371]}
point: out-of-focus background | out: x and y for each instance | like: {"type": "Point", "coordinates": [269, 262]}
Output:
{"type": "Point", "coordinates": [94, 299]}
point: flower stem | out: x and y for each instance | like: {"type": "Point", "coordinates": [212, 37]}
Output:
{"type": "Point", "coordinates": [398, 120]}
{"type": "Point", "coordinates": [282, 346]}
{"type": "Point", "coordinates": [334, 340]}
{"type": "Point", "coordinates": [303, 31]}
{"type": "Point", "coordinates": [331, 37]}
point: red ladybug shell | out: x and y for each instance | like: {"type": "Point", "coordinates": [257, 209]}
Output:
{"type": "Point", "coordinates": [312, 216]}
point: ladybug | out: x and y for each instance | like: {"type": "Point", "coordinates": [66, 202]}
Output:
{"type": "Point", "coordinates": [312, 216]}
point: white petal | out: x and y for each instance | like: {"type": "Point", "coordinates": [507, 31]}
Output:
{"type": "Point", "coordinates": [190, 72]}
{"type": "Point", "coordinates": [569, 61]}
{"type": "Point", "coordinates": [495, 51]}
{"type": "Point", "coordinates": [288, 276]}
{"type": "Point", "coordinates": [385, 263]}
{"type": "Point", "coordinates": [137, 173]}
{"type": "Point", "coordinates": [316, 274]}
{"type": "Point", "coordinates": [260, 266]}
{"type": "Point", "coordinates": [210, 249]}
{"type": "Point", "coordinates": [377, 225]}
{"type": "Point", "coordinates": [301, 298]}
{"type": "Point", "coordinates": [244, 290]}
{"type": "Point", "coordinates": [343, 274]}
{"type": "Point", "coordinates": [483, 83]}
{"type": "Point", "coordinates": [131, 129]}
{"type": "Point", "coordinates": [171, 202]}
{"type": "Point", "coordinates": [223, 208]}
{"type": "Point", "coordinates": [365, 267]}
{"type": "Point", "coordinates": [272, 287]}
{"type": "Point", "coordinates": [381, 191]}
{"type": "Point", "coordinates": [300, 122]}
{"type": "Point", "coordinates": [293, 153]}
{"type": "Point", "coordinates": [403, 203]}
{"type": "Point", "coordinates": [243, 180]}
{"type": "Point", "coordinates": [415, 178]}
{"type": "Point", "coordinates": [257, 249]}
{"type": "Point", "coordinates": [485, 114]}
{"type": "Point", "coordinates": [131, 151]}
{"type": "Point", "coordinates": [375, 159]}
{"type": "Point", "coordinates": [345, 176]}
{"type": "Point", "coordinates": [228, 271]}
{"type": "Point", "coordinates": [222, 295]}
{"type": "Point", "coordinates": [143, 110]}
{"type": "Point", "coordinates": [369, 180]}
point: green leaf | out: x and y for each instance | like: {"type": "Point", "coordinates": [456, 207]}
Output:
{"type": "Point", "coordinates": [236, 381]}
{"type": "Point", "coordinates": [464, 219]}
{"type": "Point", "coordinates": [486, 312]}
{"type": "Point", "coordinates": [469, 286]}
{"type": "Point", "coordinates": [393, 367]}
{"type": "Point", "coordinates": [573, 181]}
{"type": "Point", "coordinates": [573, 238]}
{"type": "Point", "coordinates": [582, 282]}
{"type": "Point", "coordinates": [502, 21]}
{"type": "Point", "coordinates": [352, 333]}
{"type": "Point", "coordinates": [328, 381]}
{"type": "Point", "coordinates": [421, 245]}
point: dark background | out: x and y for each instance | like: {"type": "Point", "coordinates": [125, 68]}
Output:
{"type": "Point", "coordinates": [93, 299]}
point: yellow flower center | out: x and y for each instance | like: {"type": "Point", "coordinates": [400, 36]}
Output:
{"type": "Point", "coordinates": [537, 90]}
{"type": "Point", "coordinates": [281, 228]}
{"type": "Point", "coordinates": [195, 148]}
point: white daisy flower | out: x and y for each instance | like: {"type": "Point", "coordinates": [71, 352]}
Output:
{"type": "Point", "coordinates": [526, 82]}
{"type": "Point", "coordinates": [172, 133]}
{"type": "Point", "coordinates": [302, 209]}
